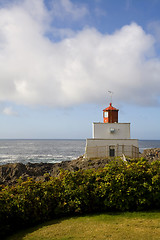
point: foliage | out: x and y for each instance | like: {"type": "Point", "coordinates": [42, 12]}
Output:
{"type": "Point", "coordinates": [120, 186]}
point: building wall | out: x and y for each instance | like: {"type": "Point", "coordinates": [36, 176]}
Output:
{"type": "Point", "coordinates": [111, 130]}
{"type": "Point", "coordinates": [99, 148]}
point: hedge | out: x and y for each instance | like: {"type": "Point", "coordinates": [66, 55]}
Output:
{"type": "Point", "coordinates": [119, 186]}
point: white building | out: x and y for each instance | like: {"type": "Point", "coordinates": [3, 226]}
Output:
{"type": "Point", "coordinates": [110, 138]}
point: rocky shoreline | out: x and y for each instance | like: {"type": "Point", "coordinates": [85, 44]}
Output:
{"type": "Point", "coordinates": [9, 173]}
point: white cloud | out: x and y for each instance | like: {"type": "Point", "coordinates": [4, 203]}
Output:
{"type": "Point", "coordinates": [65, 8]}
{"type": "Point", "coordinates": [9, 111]}
{"type": "Point", "coordinates": [154, 28]}
{"type": "Point", "coordinates": [79, 69]}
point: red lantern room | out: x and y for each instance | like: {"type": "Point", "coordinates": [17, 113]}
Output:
{"type": "Point", "coordinates": [110, 114]}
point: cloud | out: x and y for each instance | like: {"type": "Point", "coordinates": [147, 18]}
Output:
{"type": "Point", "coordinates": [64, 8]}
{"type": "Point", "coordinates": [9, 111]}
{"type": "Point", "coordinates": [80, 68]}
{"type": "Point", "coordinates": [154, 28]}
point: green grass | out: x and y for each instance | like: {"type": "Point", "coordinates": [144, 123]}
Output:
{"type": "Point", "coordinates": [117, 226]}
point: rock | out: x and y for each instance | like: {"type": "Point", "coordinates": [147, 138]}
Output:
{"type": "Point", "coordinates": [9, 173]}
{"type": "Point", "coordinates": [151, 154]}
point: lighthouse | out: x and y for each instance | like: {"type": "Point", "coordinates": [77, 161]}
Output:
{"type": "Point", "coordinates": [110, 114]}
{"type": "Point", "coordinates": [111, 138]}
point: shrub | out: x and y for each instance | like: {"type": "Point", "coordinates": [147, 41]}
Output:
{"type": "Point", "coordinates": [119, 186]}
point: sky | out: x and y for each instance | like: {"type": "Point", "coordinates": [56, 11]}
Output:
{"type": "Point", "coordinates": [59, 59]}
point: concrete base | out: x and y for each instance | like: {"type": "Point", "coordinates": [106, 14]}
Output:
{"type": "Point", "coordinates": [100, 148]}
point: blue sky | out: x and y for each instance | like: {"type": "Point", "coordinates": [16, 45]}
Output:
{"type": "Point", "coordinates": [59, 59]}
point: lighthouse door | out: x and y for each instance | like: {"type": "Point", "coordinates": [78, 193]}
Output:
{"type": "Point", "coordinates": [112, 151]}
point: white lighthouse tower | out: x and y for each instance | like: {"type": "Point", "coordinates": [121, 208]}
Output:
{"type": "Point", "coordinates": [110, 138]}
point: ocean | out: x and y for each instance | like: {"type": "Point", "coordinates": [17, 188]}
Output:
{"type": "Point", "coordinates": [50, 151]}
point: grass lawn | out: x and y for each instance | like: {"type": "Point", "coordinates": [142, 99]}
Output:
{"type": "Point", "coordinates": [117, 226]}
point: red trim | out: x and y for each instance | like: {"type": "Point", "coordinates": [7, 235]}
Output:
{"type": "Point", "coordinates": [110, 108]}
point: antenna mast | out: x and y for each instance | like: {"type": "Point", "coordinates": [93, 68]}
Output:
{"type": "Point", "coordinates": [111, 93]}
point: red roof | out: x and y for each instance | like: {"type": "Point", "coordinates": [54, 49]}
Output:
{"type": "Point", "coordinates": [110, 108]}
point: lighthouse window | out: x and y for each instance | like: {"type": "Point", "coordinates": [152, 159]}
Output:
{"type": "Point", "coordinates": [105, 114]}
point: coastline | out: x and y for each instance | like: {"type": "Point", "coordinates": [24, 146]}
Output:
{"type": "Point", "coordinates": [11, 172]}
